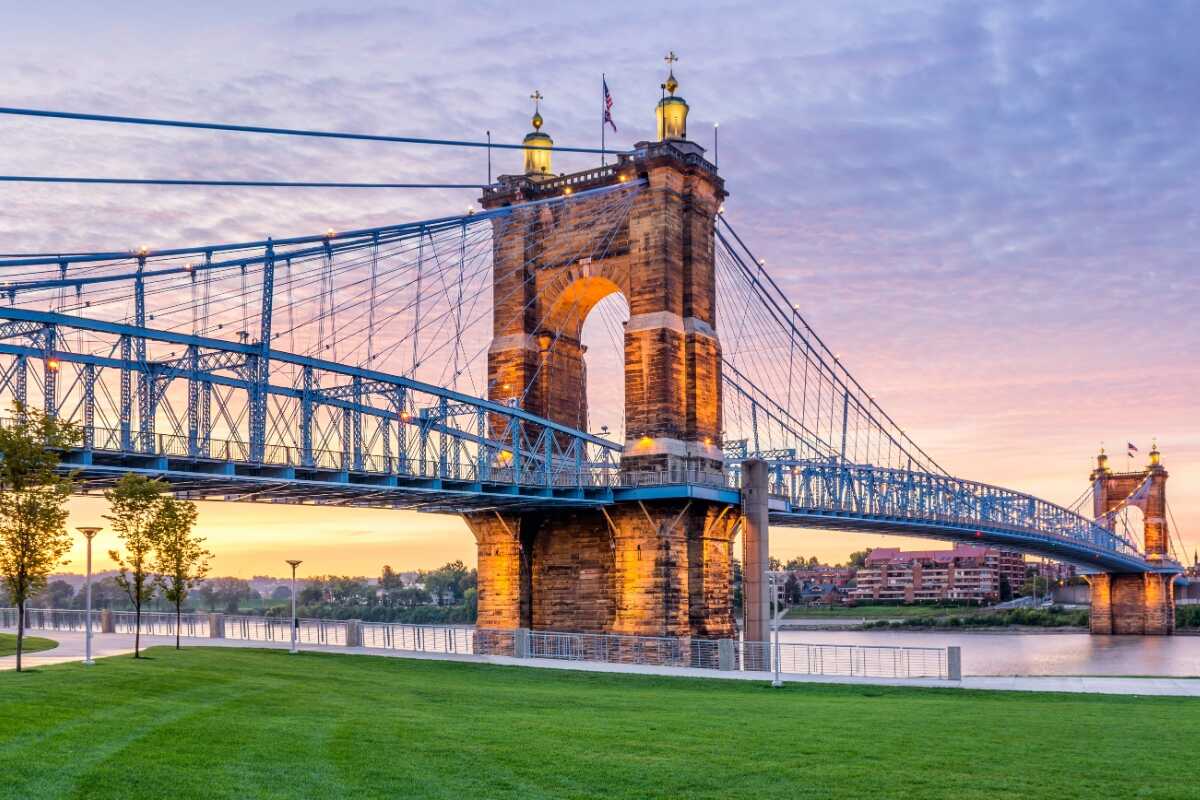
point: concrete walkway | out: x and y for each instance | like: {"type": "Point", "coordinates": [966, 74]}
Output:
{"type": "Point", "coordinates": [71, 647]}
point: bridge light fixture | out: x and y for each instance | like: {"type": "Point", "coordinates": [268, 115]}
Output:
{"type": "Point", "coordinates": [143, 251]}
{"type": "Point", "coordinates": [53, 364]}
{"type": "Point", "coordinates": [622, 177]}
{"type": "Point", "coordinates": [721, 209]}
{"type": "Point", "coordinates": [470, 210]}
{"type": "Point", "coordinates": [329, 233]}
{"type": "Point", "coordinates": [405, 416]}
{"type": "Point", "coordinates": [567, 190]}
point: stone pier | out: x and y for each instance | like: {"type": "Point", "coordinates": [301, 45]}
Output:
{"type": "Point", "coordinates": [655, 566]}
{"type": "Point", "coordinates": [647, 569]}
{"type": "Point", "coordinates": [1135, 603]}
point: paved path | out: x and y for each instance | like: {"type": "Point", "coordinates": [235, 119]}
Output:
{"type": "Point", "coordinates": [71, 646]}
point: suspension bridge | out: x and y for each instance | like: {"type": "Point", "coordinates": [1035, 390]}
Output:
{"type": "Point", "coordinates": [440, 365]}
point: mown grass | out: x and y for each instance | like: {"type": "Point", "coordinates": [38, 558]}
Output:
{"type": "Point", "coordinates": [32, 644]}
{"type": "Point", "coordinates": [219, 723]}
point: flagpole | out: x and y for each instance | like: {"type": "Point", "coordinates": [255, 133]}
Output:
{"type": "Point", "coordinates": [603, 113]}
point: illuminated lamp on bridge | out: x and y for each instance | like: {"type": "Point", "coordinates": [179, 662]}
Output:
{"type": "Point", "coordinates": [537, 144]}
{"type": "Point", "coordinates": [53, 364]}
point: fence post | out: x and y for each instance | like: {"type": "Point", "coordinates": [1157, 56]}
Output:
{"type": "Point", "coordinates": [725, 655]}
{"type": "Point", "coordinates": [521, 643]}
{"type": "Point", "coordinates": [353, 633]}
{"type": "Point", "coordinates": [216, 626]}
{"type": "Point", "coordinates": [954, 663]}
{"type": "Point", "coordinates": [108, 624]}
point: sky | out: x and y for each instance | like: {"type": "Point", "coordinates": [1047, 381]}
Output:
{"type": "Point", "coordinates": [988, 209]}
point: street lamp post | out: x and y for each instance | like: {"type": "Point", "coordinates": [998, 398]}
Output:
{"type": "Point", "coordinates": [775, 681]}
{"type": "Point", "coordinates": [295, 563]}
{"type": "Point", "coordinates": [89, 532]}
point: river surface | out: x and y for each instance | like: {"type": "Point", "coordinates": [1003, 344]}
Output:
{"type": "Point", "coordinates": [1036, 653]}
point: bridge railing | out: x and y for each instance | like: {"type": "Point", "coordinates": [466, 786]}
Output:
{"type": "Point", "coordinates": [829, 486]}
{"type": "Point", "coordinates": [564, 472]}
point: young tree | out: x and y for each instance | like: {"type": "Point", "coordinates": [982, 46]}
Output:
{"type": "Point", "coordinates": [859, 558]}
{"type": "Point", "coordinates": [181, 561]}
{"type": "Point", "coordinates": [33, 496]}
{"type": "Point", "coordinates": [227, 593]}
{"type": "Point", "coordinates": [57, 594]}
{"type": "Point", "coordinates": [134, 502]}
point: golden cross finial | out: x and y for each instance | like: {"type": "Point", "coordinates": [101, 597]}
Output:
{"type": "Point", "coordinates": [537, 97]}
{"type": "Point", "coordinates": [671, 85]}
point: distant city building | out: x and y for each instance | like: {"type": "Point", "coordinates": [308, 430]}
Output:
{"type": "Point", "coordinates": [969, 573]}
{"type": "Point", "coordinates": [821, 574]}
{"type": "Point", "coordinates": [819, 584]}
{"type": "Point", "coordinates": [1053, 571]}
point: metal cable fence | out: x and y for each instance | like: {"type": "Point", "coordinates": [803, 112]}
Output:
{"type": "Point", "coordinates": [844, 660]}
{"type": "Point", "coordinates": [614, 649]}
{"type": "Point", "coordinates": [275, 629]}
{"type": "Point", "coordinates": [159, 623]}
{"type": "Point", "coordinates": [452, 639]}
{"type": "Point", "coordinates": [835, 660]}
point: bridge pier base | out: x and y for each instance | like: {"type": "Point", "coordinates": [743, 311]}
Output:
{"type": "Point", "coordinates": [1138, 603]}
{"type": "Point", "coordinates": [659, 568]}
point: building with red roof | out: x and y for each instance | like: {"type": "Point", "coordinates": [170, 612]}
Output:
{"type": "Point", "coordinates": [966, 573]}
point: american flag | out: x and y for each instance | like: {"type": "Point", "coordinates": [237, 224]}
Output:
{"type": "Point", "coordinates": [608, 105]}
{"type": "Point", "coordinates": [1132, 448]}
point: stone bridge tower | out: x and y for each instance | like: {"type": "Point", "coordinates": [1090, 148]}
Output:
{"type": "Point", "coordinates": [1138, 603]}
{"type": "Point", "coordinates": [647, 567]}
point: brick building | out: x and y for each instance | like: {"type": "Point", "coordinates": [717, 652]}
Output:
{"type": "Point", "coordinates": [969, 573]}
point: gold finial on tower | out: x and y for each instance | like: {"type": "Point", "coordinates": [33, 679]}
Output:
{"type": "Point", "coordinates": [1102, 460]}
{"type": "Point", "coordinates": [537, 144]}
{"type": "Point", "coordinates": [1155, 456]}
{"type": "Point", "coordinates": [537, 98]}
{"type": "Point", "coordinates": [672, 111]}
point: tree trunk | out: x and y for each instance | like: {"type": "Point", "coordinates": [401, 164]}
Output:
{"type": "Point", "coordinates": [20, 629]}
{"type": "Point", "coordinates": [178, 615]}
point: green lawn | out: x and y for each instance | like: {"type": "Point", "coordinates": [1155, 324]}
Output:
{"type": "Point", "coordinates": [8, 644]}
{"type": "Point", "coordinates": [217, 723]}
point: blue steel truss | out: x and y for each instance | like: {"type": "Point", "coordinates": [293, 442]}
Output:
{"type": "Point", "coordinates": [246, 421]}
{"type": "Point", "coordinates": [428, 447]}
{"type": "Point", "coordinates": [830, 494]}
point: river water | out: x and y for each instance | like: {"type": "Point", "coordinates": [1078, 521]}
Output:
{"type": "Point", "coordinates": [1036, 653]}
